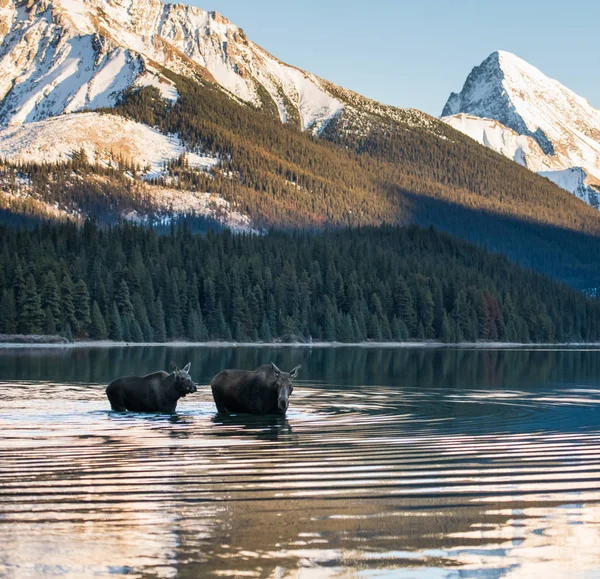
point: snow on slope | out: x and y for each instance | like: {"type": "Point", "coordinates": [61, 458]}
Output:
{"type": "Point", "coordinates": [104, 138]}
{"type": "Point", "coordinates": [171, 202]}
{"type": "Point", "coordinates": [168, 91]}
{"type": "Point", "coordinates": [69, 55]}
{"type": "Point", "coordinates": [492, 134]}
{"type": "Point", "coordinates": [43, 74]}
{"type": "Point", "coordinates": [510, 106]}
{"type": "Point", "coordinates": [575, 181]}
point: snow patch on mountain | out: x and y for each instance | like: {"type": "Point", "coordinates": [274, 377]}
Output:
{"type": "Point", "coordinates": [288, 85]}
{"type": "Point", "coordinates": [575, 181]}
{"type": "Point", "coordinates": [492, 134]}
{"type": "Point", "coordinates": [105, 139]}
{"type": "Point", "coordinates": [168, 91]}
{"type": "Point", "coordinates": [60, 78]}
{"type": "Point", "coordinates": [174, 202]}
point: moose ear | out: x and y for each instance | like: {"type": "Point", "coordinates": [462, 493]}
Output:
{"type": "Point", "coordinates": [187, 368]}
{"type": "Point", "coordinates": [275, 369]}
{"type": "Point", "coordinates": [174, 367]}
{"type": "Point", "coordinates": [295, 371]}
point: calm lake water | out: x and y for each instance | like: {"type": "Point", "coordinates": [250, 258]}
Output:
{"type": "Point", "coordinates": [390, 463]}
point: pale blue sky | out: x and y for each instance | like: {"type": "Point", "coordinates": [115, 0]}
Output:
{"type": "Point", "coordinates": [414, 53]}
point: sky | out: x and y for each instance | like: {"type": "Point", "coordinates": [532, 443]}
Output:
{"type": "Point", "coordinates": [415, 53]}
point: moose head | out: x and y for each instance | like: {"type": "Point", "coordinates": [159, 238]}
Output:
{"type": "Point", "coordinates": [283, 383]}
{"type": "Point", "coordinates": [183, 382]}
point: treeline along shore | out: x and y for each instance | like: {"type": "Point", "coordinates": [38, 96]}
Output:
{"type": "Point", "coordinates": [129, 283]}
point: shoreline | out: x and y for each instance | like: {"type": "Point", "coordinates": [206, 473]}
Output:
{"type": "Point", "coordinates": [391, 345]}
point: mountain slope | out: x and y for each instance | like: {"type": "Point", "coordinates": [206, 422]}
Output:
{"type": "Point", "coordinates": [194, 83]}
{"type": "Point", "coordinates": [513, 108]}
{"type": "Point", "coordinates": [105, 139]}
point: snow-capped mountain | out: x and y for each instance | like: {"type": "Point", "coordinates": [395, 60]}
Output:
{"type": "Point", "coordinates": [67, 55]}
{"type": "Point", "coordinates": [510, 106]}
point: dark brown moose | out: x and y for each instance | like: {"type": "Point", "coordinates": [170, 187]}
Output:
{"type": "Point", "coordinates": [157, 392]}
{"type": "Point", "coordinates": [265, 390]}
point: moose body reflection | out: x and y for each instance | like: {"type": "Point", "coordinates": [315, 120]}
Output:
{"type": "Point", "coordinates": [265, 390]}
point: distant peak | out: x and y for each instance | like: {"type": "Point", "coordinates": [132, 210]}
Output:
{"type": "Point", "coordinates": [505, 60]}
{"type": "Point", "coordinates": [505, 55]}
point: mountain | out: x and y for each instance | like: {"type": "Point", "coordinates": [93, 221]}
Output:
{"type": "Point", "coordinates": [513, 108]}
{"type": "Point", "coordinates": [62, 57]}
{"type": "Point", "coordinates": [68, 55]}
{"type": "Point", "coordinates": [150, 111]}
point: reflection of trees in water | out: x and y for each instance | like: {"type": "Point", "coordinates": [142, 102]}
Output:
{"type": "Point", "coordinates": [342, 366]}
{"type": "Point", "coordinates": [450, 368]}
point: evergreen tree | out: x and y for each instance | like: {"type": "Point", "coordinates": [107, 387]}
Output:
{"type": "Point", "coordinates": [115, 324]}
{"type": "Point", "coordinates": [329, 331]}
{"type": "Point", "coordinates": [446, 334]}
{"type": "Point", "coordinates": [49, 323]}
{"type": "Point", "coordinates": [399, 330]}
{"type": "Point", "coordinates": [196, 331]}
{"type": "Point", "coordinates": [147, 330]}
{"type": "Point", "coordinates": [420, 331]}
{"type": "Point", "coordinates": [18, 283]}
{"type": "Point", "coordinates": [140, 313]}
{"type": "Point", "coordinates": [67, 333]}
{"type": "Point", "coordinates": [31, 316]}
{"type": "Point", "coordinates": [51, 295]}
{"type": "Point", "coordinates": [508, 308]}
{"type": "Point", "coordinates": [265, 330]}
{"type": "Point", "coordinates": [123, 300]}
{"type": "Point", "coordinates": [460, 315]}
{"type": "Point", "coordinates": [223, 331]}
{"type": "Point", "coordinates": [8, 312]}
{"type": "Point", "coordinates": [82, 307]}
{"type": "Point", "coordinates": [98, 330]}
{"type": "Point", "coordinates": [67, 305]}
{"type": "Point", "coordinates": [126, 325]}
{"type": "Point", "coordinates": [374, 332]}
{"type": "Point", "coordinates": [136, 334]}
{"type": "Point", "coordinates": [425, 311]}
{"type": "Point", "coordinates": [158, 322]}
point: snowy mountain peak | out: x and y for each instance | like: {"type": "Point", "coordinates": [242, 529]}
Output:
{"type": "Point", "coordinates": [507, 89]}
{"type": "Point", "coordinates": [68, 55]}
{"type": "Point", "coordinates": [499, 88]}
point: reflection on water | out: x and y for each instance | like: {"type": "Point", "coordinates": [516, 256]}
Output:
{"type": "Point", "coordinates": [415, 463]}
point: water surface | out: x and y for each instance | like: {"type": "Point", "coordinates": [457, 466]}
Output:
{"type": "Point", "coordinates": [390, 463]}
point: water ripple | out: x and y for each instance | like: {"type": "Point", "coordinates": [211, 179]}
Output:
{"type": "Point", "coordinates": [367, 480]}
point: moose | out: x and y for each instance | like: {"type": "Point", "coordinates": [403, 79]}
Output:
{"type": "Point", "coordinates": [157, 392]}
{"type": "Point", "coordinates": [265, 390]}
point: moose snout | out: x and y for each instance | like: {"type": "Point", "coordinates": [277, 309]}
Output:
{"type": "Point", "coordinates": [283, 404]}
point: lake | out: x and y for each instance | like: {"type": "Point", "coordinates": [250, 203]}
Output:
{"type": "Point", "coordinates": [390, 463]}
